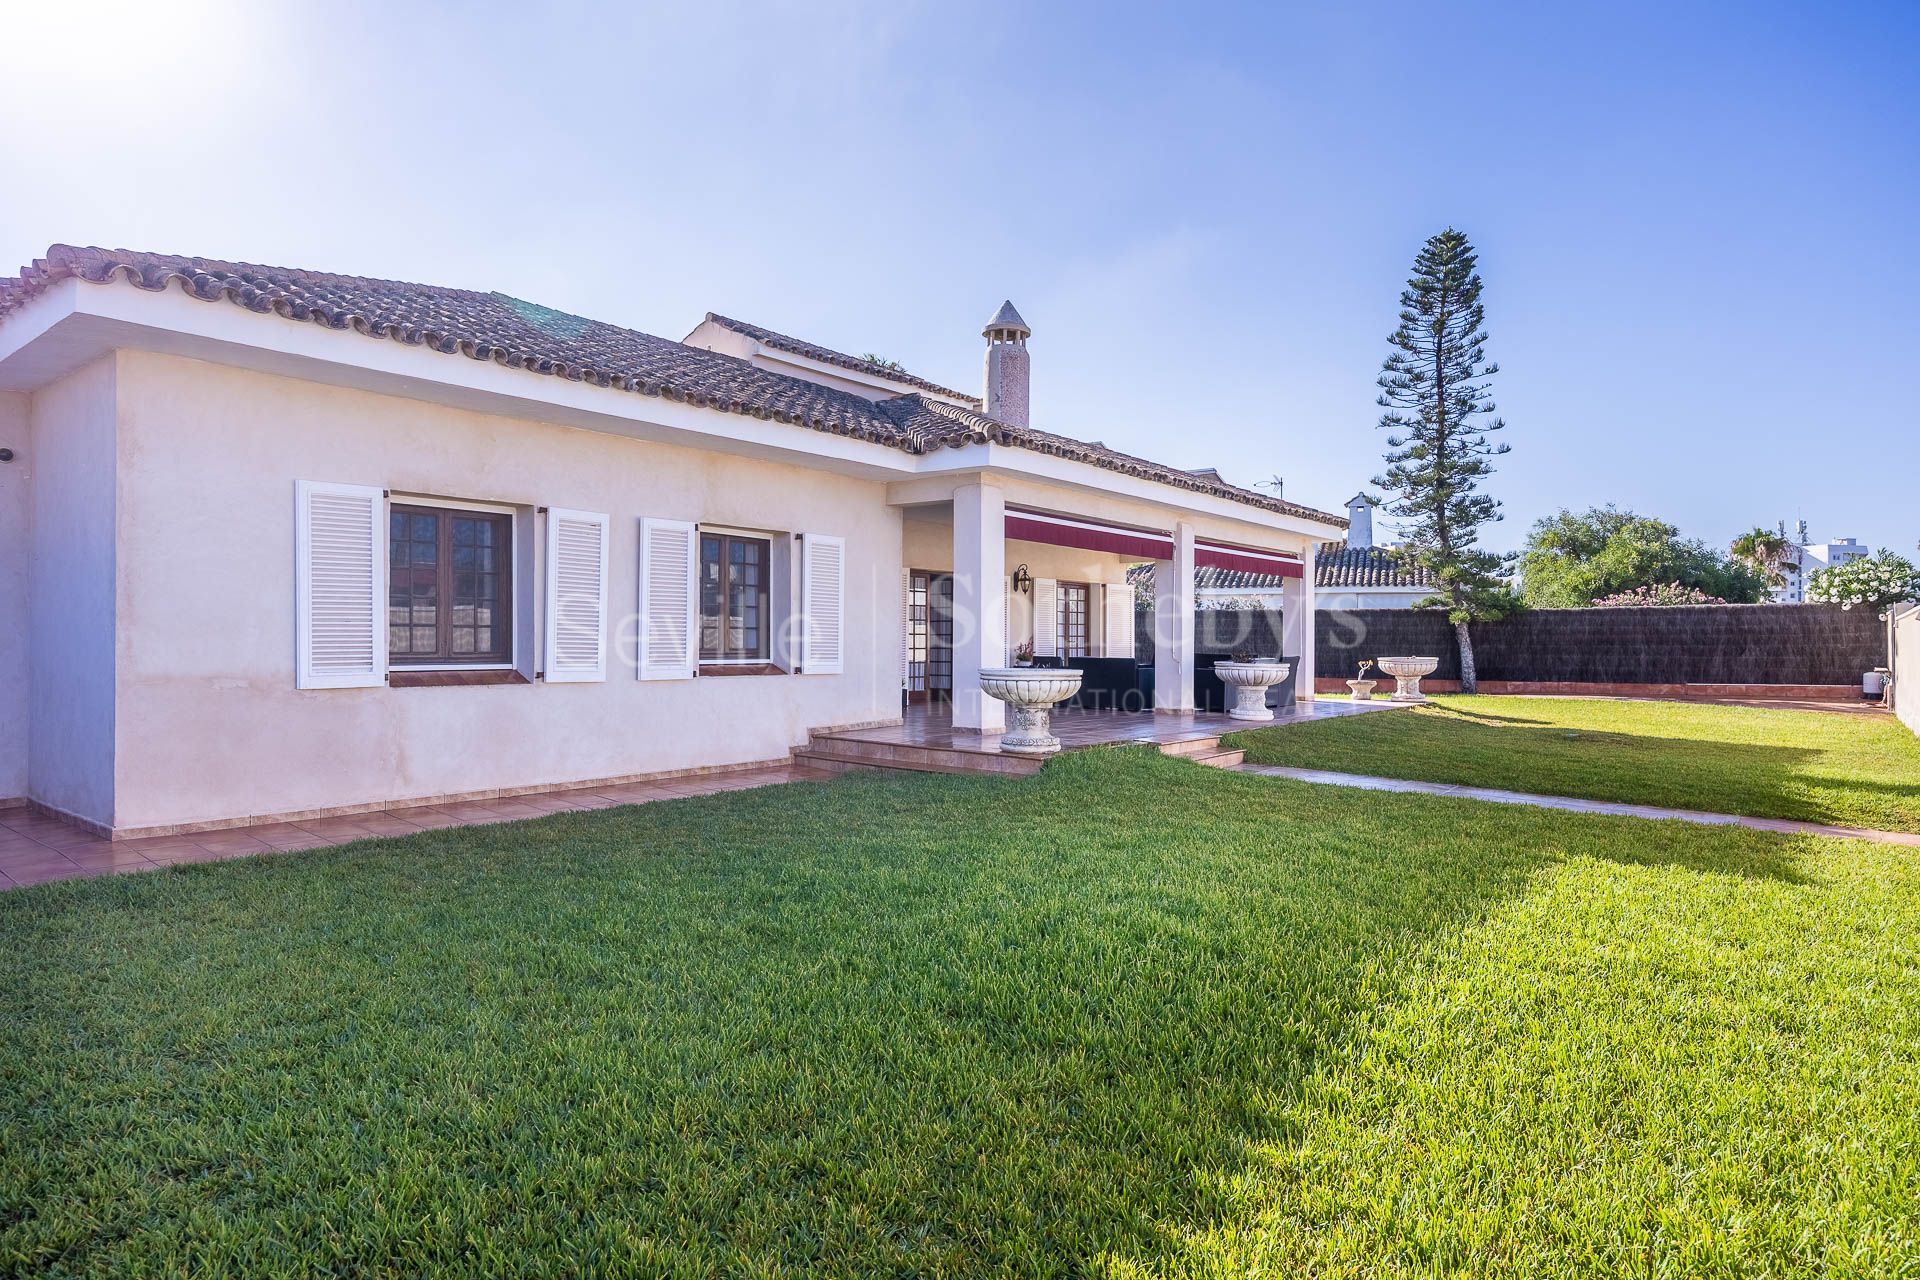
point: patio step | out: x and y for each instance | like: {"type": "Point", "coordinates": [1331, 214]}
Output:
{"type": "Point", "coordinates": [1191, 747]}
{"type": "Point", "coordinates": [1219, 759]}
{"type": "Point", "coordinates": [843, 754]}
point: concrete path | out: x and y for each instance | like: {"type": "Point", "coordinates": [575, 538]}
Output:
{"type": "Point", "coordinates": [1369, 783]}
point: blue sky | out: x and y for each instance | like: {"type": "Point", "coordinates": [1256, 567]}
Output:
{"type": "Point", "coordinates": [1699, 224]}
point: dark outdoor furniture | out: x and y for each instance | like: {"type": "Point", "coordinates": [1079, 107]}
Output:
{"type": "Point", "coordinates": [1109, 684]}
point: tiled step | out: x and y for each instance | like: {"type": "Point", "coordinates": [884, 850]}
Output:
{"type": "Point", "coordinates": [1191, 747]}
{"type": "Point", "coordinates": [856, 753]}
{"type": "Point", "coordinates": [1220, 759]}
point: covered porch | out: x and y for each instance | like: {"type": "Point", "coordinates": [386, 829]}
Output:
{"type": "Point", "coordinates": [995, 567]}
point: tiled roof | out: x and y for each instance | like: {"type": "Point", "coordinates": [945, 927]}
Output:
{"type": "Point", "coordinates": [523, 335]}
{"type": "Point", "coordinates": [1338, 565]}
{"type": "Point", "coordinates": [1334, 565]}
{"type": "Point", "coordinates": [827, 355]}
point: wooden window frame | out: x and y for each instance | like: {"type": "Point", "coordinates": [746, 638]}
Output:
{"type": "Point", "coordinates": [503, 657]}
{"type": "Point", "coordinates": [727, 657]}
{"type": "Point", "coordinates": [1062, 633]}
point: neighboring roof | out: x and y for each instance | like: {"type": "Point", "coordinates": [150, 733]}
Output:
{"type": "Point", "coordinates": [1338, 565]}
{"type": "Point", "coordinates": [827, 355]}
{"type": "Point", "coordinates": [522, 335]}
{"type": "Point", "coordinates": [1334, 565]}
{"type": "Point", "coordinates": [1007, 318]}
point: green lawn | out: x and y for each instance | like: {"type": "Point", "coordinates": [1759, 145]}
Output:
{"type": "Point", "coordinates": [1130, 1017]}
{"type": "Point", "coordinates": [1852, 770]}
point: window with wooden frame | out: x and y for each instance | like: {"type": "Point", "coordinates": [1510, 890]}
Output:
{"type": "Point", "coordinates": [1072, 633]}
{"type": "Point", "coordinates": [734, 614]}
{"type": "Point", "coordinates": [449, 587]}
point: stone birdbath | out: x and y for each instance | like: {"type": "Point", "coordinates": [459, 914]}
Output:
{"type": "Point", "coordinates": [1406, 673]}
{"type": "Point", "coordinates": [1030, 694]}
{"type": "Point", "coordinates": [1250, 682]}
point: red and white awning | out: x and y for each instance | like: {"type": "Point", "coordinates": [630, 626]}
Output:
{"type": "Point", "coordinates": [1088, 535]}
{"type": "Point", "coordinates": [1226, 555]}
{"type": "Point", "coordinates": [1145, 544]}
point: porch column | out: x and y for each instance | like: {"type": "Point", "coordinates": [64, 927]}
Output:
{"type": "Point", "coordinates": [1173, 625]}
{"type": "Point", "coordinates": [1296, 624]}
{"type": "Point", "coordinates": [979, 603]}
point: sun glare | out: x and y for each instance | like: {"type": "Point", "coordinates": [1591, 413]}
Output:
{"type": "Point", "coordinates": [126, 64]}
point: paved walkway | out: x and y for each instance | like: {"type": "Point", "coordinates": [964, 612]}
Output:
{"type": "Point", "coordinates": [1368, 782]}
{"type": "Point", "coordinates": [35, 848]}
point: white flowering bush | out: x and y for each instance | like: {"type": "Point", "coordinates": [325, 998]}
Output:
{"type": "Point", "coordinates": [1662, 595]}
{"type": "Point", "coordinates": [1871, 582]}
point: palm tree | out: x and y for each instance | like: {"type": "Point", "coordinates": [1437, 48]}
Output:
{"type": "Point", "coordinates": [1767, 551]}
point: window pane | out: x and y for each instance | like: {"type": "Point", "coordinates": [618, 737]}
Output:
{"type": "Point", "coordinates": [471, 623]}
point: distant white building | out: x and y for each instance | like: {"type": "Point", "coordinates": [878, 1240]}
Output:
{"type": "Point", "coordinates": [1806, 558]}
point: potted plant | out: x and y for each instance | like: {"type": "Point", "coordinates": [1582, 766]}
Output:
{"type": "Point", "coordinates": [1023, 656]}
{"type": "Point", "coordinates": [1363, 687]}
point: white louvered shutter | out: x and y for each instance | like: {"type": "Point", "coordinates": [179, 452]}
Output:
{"type": "Point", "coordinates": [823, 605]}
{"type": "Point", "coordinates": [1046, 617]}
{"type": "Point", "coordinates": [669, 599]}
{"type": "Point", "coordinates": [1119, 620]}
{"type": "Point", "coordinates": [340, 582]}
{"type": "Point", "coordinates": [906, 628]}
{"type": "Point", "coordinates": [576, 596]}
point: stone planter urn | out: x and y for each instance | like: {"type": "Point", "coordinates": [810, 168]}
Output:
{"type": "Point", "coordinates": [1362, 689]}
{"type": "Point", "coordinates": [1406, 673]}
{"type": "Point", "coordinates": [1250, 682]}
{"type": "Point", "coordinates": [1030, 694]}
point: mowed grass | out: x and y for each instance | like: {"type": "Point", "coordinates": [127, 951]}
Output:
{"type": "Point", "coordinates": [1131, 1017]}
{"type": "Point", "coordinates": [1849, 770]}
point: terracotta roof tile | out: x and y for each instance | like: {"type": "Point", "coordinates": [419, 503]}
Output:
{"type": "Point", "coordinates": [1334, 565]}
{"type": "Point", "coordinates": [827, 355]}
{"type": "Point", "coordinates": [1338, 565]}
{"type": "Point", "coordinates": [524, 335]}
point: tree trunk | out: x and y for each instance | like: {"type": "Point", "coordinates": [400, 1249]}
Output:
{"type": "Point", "coordinates": [1469, 675]}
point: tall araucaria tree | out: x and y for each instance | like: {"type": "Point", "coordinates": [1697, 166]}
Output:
{"type": "Point", "coordinates": [1435, 388]}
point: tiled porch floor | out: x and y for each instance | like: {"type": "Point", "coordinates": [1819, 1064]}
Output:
{"type": "Point", "coordinates": [932, 726]}
{"type": "Point", "coordinates": [35, 848]}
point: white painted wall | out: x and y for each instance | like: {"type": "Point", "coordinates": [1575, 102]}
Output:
{"type": "Point", "coordinates": [210, 724]}
{"type": "Point", "coordinates": [71, 628]}
{"type": "Point", "coordinates": [1906, 667]}
{"type": "Point", "coordinates": [1371, 598]}
{"type": "Point", "coordinates": [16, 538]}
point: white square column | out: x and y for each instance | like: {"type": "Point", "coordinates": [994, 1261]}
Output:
{"type": "Point", "coordinates": [1173, 625]}
{"type": "Point", "coordinates": [1297, 625]}
{"type": "Point", "coordinates": [979, 603]}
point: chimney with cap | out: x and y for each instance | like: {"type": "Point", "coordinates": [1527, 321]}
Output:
{"type": "Point", "coordinates": [1360, 521]}
{"type": "Point", "coordinates": [1007, 366]}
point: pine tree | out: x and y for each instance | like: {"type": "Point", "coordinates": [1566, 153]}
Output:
{"type": "Point", "coordinates": [1435, 388]}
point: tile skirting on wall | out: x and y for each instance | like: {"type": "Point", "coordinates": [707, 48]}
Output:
{"type": "Point", "coordinates": [111, 832]}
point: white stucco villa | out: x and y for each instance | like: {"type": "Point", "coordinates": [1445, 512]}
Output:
{"type": "Point", "coordinates": [278, 542]}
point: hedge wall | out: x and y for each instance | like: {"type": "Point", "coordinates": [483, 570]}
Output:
{"type": "Point", "coordinates": [1218, 631]}
{"type": "Point", "coordinates": [1694, 644]}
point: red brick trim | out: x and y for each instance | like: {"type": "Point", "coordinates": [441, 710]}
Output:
{"type": "Point", "coordinates": [442, 679]}
{"type": "Point", "coordinates": [1574, 688]}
